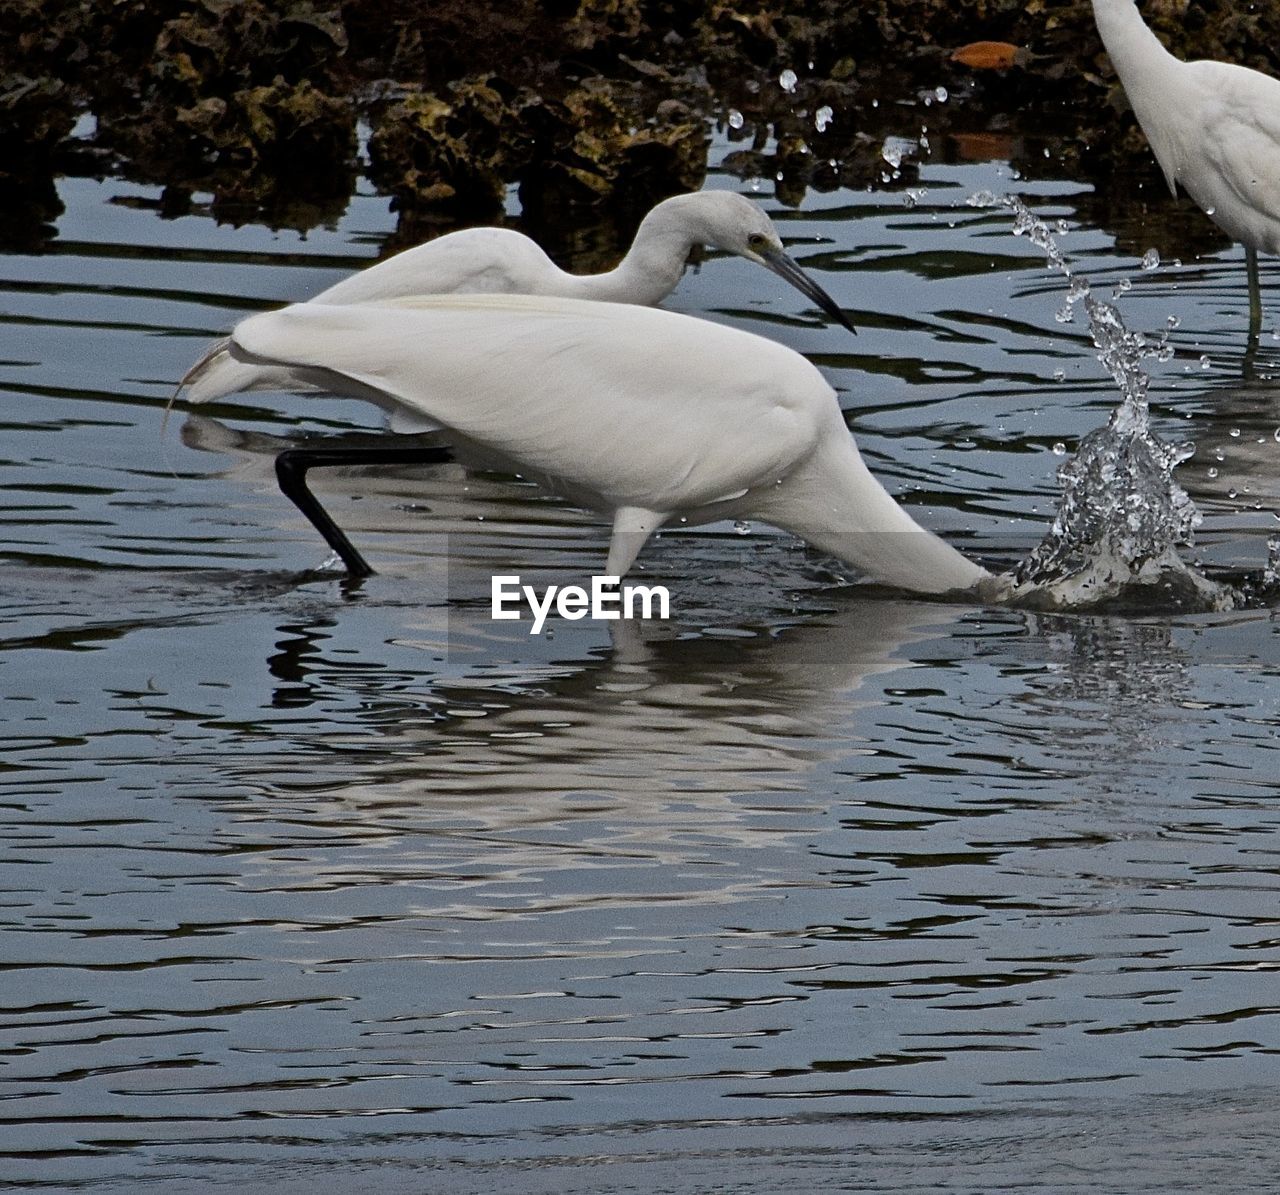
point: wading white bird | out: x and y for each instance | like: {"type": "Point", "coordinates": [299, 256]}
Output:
{"type": "Point", "coordinates": [503, 261]}
{"type": "Point", "coordinates": [650, 416]}
{"type": "Point", "coordinates": [1214, 128]}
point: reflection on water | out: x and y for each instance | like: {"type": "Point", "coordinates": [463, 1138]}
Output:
{"type": "Point", "coordinates": [298, 875]}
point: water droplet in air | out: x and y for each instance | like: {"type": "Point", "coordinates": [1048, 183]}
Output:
{"type": "Point", "coordinates": [1205, 363]}
{"type": "Point", "coordinates": [1059, 375]}
{"type": "Point", "coordinates": [788, 80]}
{"type": "Point", "coordinates": [1234, 433]}
{"type": "Point", "coordinates": [822, 118]}
{"type": "Point", "coordinates": [1059, 449]}
{"type": "Point", "coordinates": [941, 94]}
{"type": "Point", "coordinates": [1212, 471]}
{"type": "Point", "coordinates": [736, 119]}
{"type": "Point", "coordinates": [1150, 259]}
{"type": "Point", "coordinates": [891, 154]}
{"type": "Point", "coordinates": [1123, 286]}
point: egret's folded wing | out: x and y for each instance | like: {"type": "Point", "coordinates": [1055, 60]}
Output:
{"type": "Point", "coordinates": [1240, 144]}
{"type": "Point", "coordinates": [472, 261]}
{"type": "Point", "coordinates": [642, 406]}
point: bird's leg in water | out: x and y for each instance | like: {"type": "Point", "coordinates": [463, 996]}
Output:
{"type": "Point", "coordinates": [1255, 293]}
{"type": "Point", "coordinates": [291, 472]}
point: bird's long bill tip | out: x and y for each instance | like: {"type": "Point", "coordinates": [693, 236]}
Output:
{"type": "Point", "coordinates": [788, 268]}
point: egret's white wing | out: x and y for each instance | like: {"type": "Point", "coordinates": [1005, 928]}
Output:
{"type": "Point", "coordinates": [616, 404]}
{"type": "Point", "coordinates": [471, 261]}
{"type": "Point", "coordinates": [1236, 175]}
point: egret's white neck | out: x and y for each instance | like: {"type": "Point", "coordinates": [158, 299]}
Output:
{"type": "Point", "coordinates": [1149, 74]}
{"type": "Point", "coordinates": [834, 503]}
{"type": "Point", "coordinates": [1139, 57]}
{"type": "Point", "coordinates": [654, 263]}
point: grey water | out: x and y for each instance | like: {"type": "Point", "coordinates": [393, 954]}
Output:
{"type": "Point", "coordinates": [302, 880]}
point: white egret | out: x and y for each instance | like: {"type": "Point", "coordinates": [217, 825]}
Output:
{"type": "Point", "coordinates": [650, 416]}
{"type": "Point", "coordinates": [1214, 128]}
{"type": "Point", "coordinates": [503, 261]}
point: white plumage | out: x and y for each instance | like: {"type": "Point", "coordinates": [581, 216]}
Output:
{"type": "Point", "coordinates": [502, 261]}
{"type": "Point", "coordinates": [647, 415]}
{"type": "Point", "coordinates": [1214, 128]}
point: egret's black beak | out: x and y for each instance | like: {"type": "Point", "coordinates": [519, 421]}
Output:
{"type": "Point", "coordinates": [786, 267]}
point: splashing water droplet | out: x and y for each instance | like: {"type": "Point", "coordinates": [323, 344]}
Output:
{"type": "Point", "coordinates": [892, 154]}
{"type": "Point", "coordinates": [1121, 517]}
{"type": "Point", "coordinates": [1059, 375]}
{"type": "Point", "coordinates": [788, 80]}
{"type": "Point", "coordinates": [983, 199]}
{"type": "Point", "coordinates": [1150, 259]}
{"type": "Point", "coordinates": [941, 94]}
{"type": "Point", "coordinates": [1123, 286]}
{"type": "Point", "coordinates": [1234, 433]}
{"type": "Point", "coordinates": [1211, 471]}
{"type": "Point", "coordinates": [822, 118]}
{"type": "Point", "coordinates": [1059, 449]}
{"type": "Point", "coordinates": [736, 119]}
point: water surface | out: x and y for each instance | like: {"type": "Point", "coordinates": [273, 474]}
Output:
{"type": "Point", "coordinates": [304, 879]}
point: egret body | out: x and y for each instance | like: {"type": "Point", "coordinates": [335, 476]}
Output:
{"type": "Point", "coordinates": [503, 261]}
{"type": "Point", "coordinates": [649, 416]}
{"type": "Point", "coordinates": [1214, 128]}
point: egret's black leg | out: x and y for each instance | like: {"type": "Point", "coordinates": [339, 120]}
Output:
{"type": "Point", "coordinates": [1255, 292]}
{"type": "Point", "coordinates": [291, 471]}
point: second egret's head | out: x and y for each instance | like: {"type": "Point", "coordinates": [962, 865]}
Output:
{"type": "Point", "coordinates": [734, 224]}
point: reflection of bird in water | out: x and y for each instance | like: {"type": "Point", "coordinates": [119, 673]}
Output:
{"type": "Point", "coordinates": [647, 415]}
{"type": "Point", "coordinates": [700, 719]}
{"type": "Point", "coordinates": [1234, 476]}
{"type": "Point", "coordinates": [503, 261]}
{"type": "Point", "coordinates": [1214, 128]}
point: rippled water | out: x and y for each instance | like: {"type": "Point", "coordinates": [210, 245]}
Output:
{"type": "Point", "coordinates": [303, 880]}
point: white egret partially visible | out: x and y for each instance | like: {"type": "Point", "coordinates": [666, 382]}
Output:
{"type": "Point", "coordinates": [503, 261]}
{"type": "Point", "coordinates": [1214, 128]}
{"type": "Point", "coordinates": [652, 417]}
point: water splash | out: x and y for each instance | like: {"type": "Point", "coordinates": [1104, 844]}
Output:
{"type": "Point", "coordinates": [1122, 518]}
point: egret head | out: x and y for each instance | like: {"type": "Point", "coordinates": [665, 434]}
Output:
{"type": "Point", "coordinates": [735, 224]}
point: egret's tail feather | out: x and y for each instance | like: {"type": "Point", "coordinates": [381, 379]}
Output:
{"type": "Point", "coordinates": [193, 375]}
